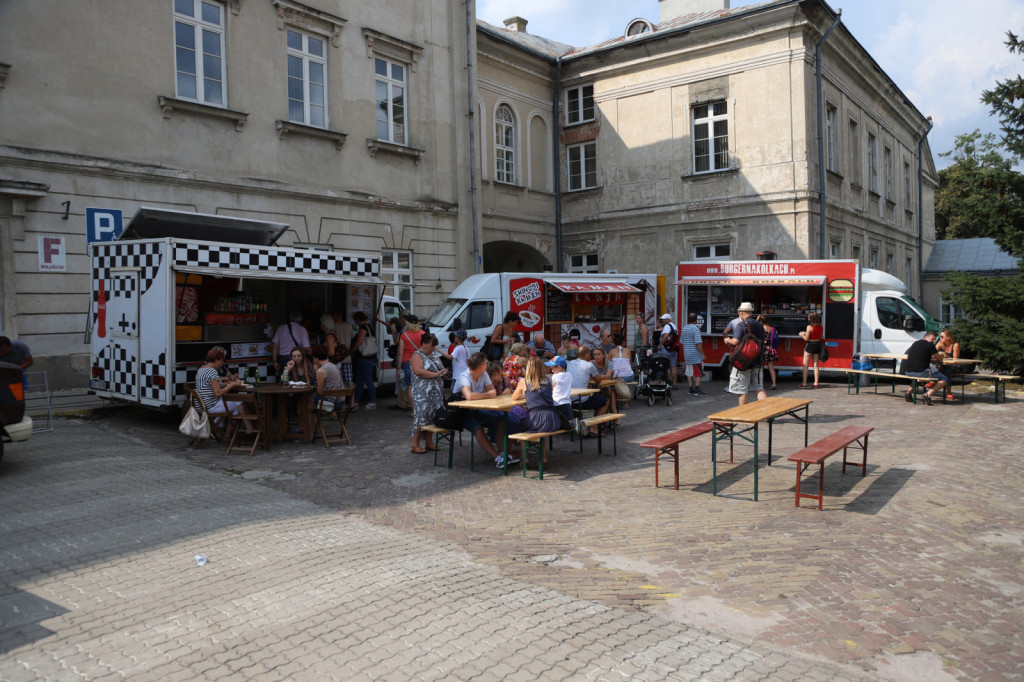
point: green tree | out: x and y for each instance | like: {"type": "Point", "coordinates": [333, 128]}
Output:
{"type": "Point", "coordinates": [985, 197]}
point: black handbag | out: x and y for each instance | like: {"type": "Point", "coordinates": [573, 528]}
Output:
{"type": "Point", "coordinates": [449, 416]}
{"type": "Point", "coordinates": [823, 355]}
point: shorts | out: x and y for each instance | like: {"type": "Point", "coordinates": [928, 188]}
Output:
{"type": "Point", "coordinates": [489, 419]}
{"type": "Point", "coordinates": [346, 372]}
{"type": "Point", "coordinates": [813, 348]}
{"type": "Point", "coordinates": [695, 370]}
{"type": "Point", "coordinates": [673, 357]}
{"type": "Point", "coordinates": [405, 375]}
{"type": "Point", "coordinates": [930, 373]}
{"type": "Point", "coordinates": [594, 402]}
{"type": "Point", "coordinates": [742, 382]}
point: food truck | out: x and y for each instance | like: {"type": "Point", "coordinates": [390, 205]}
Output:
{"type": "Point", "coordinates": [174, 284]}
{"type": "Point", "coordinates": [576, 305]}
{"type": "Point", "coordinates": [863, 310]}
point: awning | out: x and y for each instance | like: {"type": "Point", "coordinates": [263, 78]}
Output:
{"type": "Point", "coordinates": [767, 280]}
{"type": "Point", "coordinates": [593, 287]}
{"type": "Point", "coordinates": [157, 223]}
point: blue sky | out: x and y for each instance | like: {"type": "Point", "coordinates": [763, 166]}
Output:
{"type": "Point", "coordinates": [941, 53]}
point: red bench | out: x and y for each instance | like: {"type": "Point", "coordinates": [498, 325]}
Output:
{"type": "Point", "coordinates": [818, 452]}
{"type": "Point", "coordinates": [668, 445]}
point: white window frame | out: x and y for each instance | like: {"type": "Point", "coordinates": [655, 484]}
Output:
{"type": "Point", "coordinates": [398, 280]}
{"type": "Point", "coordinates": [887, 157]}
{"type": "Point", "coordinates": [391, 83]}
{"type": "Point", "coordinates": [579, 151]}
{"type": "Point", "coordinates": [719, 251]}
{"type": "Point", "coordinates": [835, 247]}
{"type": "Point", "coordinates": [584, 263]}
{"type": "Point", "coordinates": [890, 263]}
{"type": "Point", "coordinates": [505, 145]}
{"type": "Point", "coordinates": [948, 313]}
{"type": "Point", "coordinates": [198, 26]}
{"type": "Point", "coordinates": [579, 105]}
{"type": "Point", "coordinates": [709, 136]}
{"type": "Point", "coordinates": [308, 59]}
{"type": "Point", "coordinates": [872, 163]}
{"type": "Point", "coordinates": [831, 150]}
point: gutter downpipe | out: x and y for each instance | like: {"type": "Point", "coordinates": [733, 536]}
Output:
{"type": "Point", "coordinates": [920, 213]}
{"type": "Point", "coordinates": [559, 264]}
{"type": "Point", "coordinates": [821, 137]}
{"type": "Point", "coordinates": [472, 136]}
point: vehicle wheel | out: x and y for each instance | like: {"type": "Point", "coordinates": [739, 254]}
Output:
{"type": "Point", "coordinates": [668, 399]}
{"type": "Point", "coordinates": [650, 399]}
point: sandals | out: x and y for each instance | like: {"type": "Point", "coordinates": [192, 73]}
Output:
{"type": "Point", "coordinates": [418, 450]}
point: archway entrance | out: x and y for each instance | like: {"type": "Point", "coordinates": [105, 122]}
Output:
{"type": "Point", "coordinates": [509, 256]}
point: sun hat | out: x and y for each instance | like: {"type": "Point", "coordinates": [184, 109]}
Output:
{"type": "Point", "coordinates": [745, 307]}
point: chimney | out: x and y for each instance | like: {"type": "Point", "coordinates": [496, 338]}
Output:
{"type": "Point", "coordinates": [670, 9]}
{"type": "Point", "coordinates": [517, 24]}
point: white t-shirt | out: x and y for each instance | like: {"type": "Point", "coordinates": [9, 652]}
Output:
{"type": "Point", "coordinates": [561, 386]}
{"type": "Point", "coordinates": [460, 356]}
{"type": "Point", "coordinates": [475, 386]}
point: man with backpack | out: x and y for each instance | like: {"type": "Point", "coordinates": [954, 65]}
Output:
{"type": "Point", "coordinates": [746, 337]}
{"type": "Point", "coordinates": [668, 343]}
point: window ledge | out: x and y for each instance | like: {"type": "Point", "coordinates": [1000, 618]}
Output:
{"type": "Point", "coordinates": [583, 191]}
{"type": "Point", "coordinates": [874, 194]}
{"type": "Point", "coordinates": [710, 174]}
{"type": "Point", "coordinates": [168, 105]}
{"type": "Point", "coordinates": [856, 186]}
{"type": "Point", "coordinates": [835, 175]}
{"type": "Point", "coordinates": [4, 70]}
{"type": "Point", "coordinates": [890, 204]}
{"type": "Point", "coordinates": [574, 124]}
{"type": "Point", "coordinates": [413, 153]}
{"type": "Point", "coordinates": [285, 128]}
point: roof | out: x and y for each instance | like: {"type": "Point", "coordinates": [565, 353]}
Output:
{"type": "Point", "coordinates": [150, 223]}
{"type": "Point", "coordinates": [552, 49]}
{"type": "Point", "coordinates": [981, 255]}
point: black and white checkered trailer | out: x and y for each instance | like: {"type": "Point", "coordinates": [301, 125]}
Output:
{"type": "Point", "coordinates": [133, 290]}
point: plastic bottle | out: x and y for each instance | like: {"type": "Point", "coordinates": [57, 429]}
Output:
{"type": "Point", "coordinates": [200, 560]}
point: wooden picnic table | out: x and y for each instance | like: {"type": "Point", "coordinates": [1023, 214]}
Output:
{"type": "Point", "coordinates": [743, 419]}
{"type": "Point", "coordinates": [272, 393]}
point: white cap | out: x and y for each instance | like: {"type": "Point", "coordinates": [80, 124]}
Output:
{"type": "Point", "coordinates": [666, 316]}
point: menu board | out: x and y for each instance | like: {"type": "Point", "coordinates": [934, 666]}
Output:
{"type": "Point", "coordinates": [720, 322]}
{"type": "Point", "coordinates": [789, 325]}
{"type": "Point", "coordinates": [558, 306]}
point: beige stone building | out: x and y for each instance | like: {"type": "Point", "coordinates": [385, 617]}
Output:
{"type": "Point", "coordinates": [445, 145]}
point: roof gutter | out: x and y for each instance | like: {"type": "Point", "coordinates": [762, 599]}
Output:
{"type": "Point", "coordinates": [920, 211]}
{"type": "Point", "coordinates": [556, 151]}
{"type": "Point", "coordinates": [472, 137]}
{"type": "Point", "coordinates": [822, 186]}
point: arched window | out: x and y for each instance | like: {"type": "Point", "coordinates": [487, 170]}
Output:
{"type": "Point", "coordinates": [505, 145]}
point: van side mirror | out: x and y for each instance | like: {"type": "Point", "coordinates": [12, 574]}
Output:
{"type": "Point", "coordinates": [457, 324]}
{"type": "Point", "coordinates": [878, 333]}
{"type": "Point", "coordinates": [913, 323]}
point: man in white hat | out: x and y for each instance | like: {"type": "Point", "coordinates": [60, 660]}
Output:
{"type": "Point", "coordinates": [741, 382]}
{"type": "Point", "coordinates": [668, 344]}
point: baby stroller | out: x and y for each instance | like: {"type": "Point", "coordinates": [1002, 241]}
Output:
{"type": "Point", "coordinates": [652, 379]}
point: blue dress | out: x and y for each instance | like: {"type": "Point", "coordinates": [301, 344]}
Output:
{"type": "Point", "coordinates": [543, 416]}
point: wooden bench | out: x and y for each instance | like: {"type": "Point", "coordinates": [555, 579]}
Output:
{"type": "Point", "coordinates": [818, 452]}
{"type": "Point", "coordinates": [534, 444]}
{"type": "Point", "coordinates": [668, 445]}
{"type": "Point", "coordinates": [998, 379]}
{"type": "Point", "coordinates": [440, 436]}
{"type": "Point", "coordinates": [851, 380]}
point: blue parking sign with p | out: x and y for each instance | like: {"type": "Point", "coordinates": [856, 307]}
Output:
{"type": "Point", "coordinates": [103, 224]}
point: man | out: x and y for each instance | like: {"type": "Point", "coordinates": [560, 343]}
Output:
{"type": "Point", "coordinates": [693, 354]}
{"type": "Point", "coordinates": [606, 340]}
{"type": "Point", "coordinates": [16, 353]}
{"type": "Point", "coordinates": [475, 384]}
{"type": "Point", "coordinates": [287, 338]}
{"type": "Point", "coordinates": [668, 344]}
{"type": "Point", "coordinates": [582, 371]}
{"type": "Point", "coordinates": [741, 382]}
{"type": "Point", "coordinates": [918, 364]}
{"type": "Point", "coordinates": [541, 348]}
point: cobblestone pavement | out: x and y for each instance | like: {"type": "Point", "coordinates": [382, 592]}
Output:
{"type": "Point", "coordinates": [912, 572]}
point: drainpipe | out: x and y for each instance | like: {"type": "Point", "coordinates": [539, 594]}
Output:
{"type": "Point", "coordinates": [472, 136]}
{"type": "Point", "coordinates": [920, 213]}
{"type": "Point", "coordinates": [821, 137]}
{"type": "Point", "coordinates": [559, 260]}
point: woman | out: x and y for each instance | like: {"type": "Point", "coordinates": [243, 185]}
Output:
{"type": "Point", "coordinates": [640, 337]}
{"type": "Point", "coordinates": [336, 350]}
{"type": "Point", "coordinates": [408, 342]}
{"type": "Point", "coordinates": [812, 351]}
{"type": "Point", "coordinates": [427, 390]}
{"type": "Point", "coordinates": [364, 361]}
{"type": "Point", "coordinates": [599, 359]}
{"type": "Point", "coordinates": [328, 376]}
{"type": "Point", "coordinates": [514, 365]}
{"type": "Point", "coordinates": [299, 369]}
{"type": "Point", "coordinates": [621, 360]}
{"type": "Point", "coordinates": [211, 389]}
{"type": "Point", "coordinates": [771, 348]}
{"type": "Point", "coordinates": [502, 336]}
{"type": "Point", "coordinates": [535, 387]}
{"type": "Point", "coordinates": [946, 344]}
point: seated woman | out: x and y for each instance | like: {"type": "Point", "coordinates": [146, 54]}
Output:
{"type": "Point", "coordinates": [947, 345]}
{"type": "Point", "coordinates": [211, 388]}
{"type": "Point", "coordinates": [300, 406]}
{"type": "Point", "coordinates": [501, 386]}
{"type": "Point", "coordinates": [514, 364]}
{"type": "Point", "coordinates": [535, 387]}
{"type": "Point", "coordinates": [621, 359]}
{"type": "Point", "coordinates": [328, 376]}
{"type": "Point", "coordinates": [599, 359]}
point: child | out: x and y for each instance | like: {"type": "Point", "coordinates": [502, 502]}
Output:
{"type": "Point", "coordinates": [561, 387]}
{"type": "Point", "coordinates": [498, 378]}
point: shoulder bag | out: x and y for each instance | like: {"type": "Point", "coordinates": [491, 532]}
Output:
{"type": "Point", "coordinates": [369, 346]}
{"type": "Point", "coordinates": [823, 355]}
{"type": "Point", "coordinates": [195, 424]}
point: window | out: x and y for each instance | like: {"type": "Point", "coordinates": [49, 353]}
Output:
{"type": "Point", "coordinates": [390, 93]}
{"type": "Point", "coordinates": [888, 173]}
{"type": "Point", "coordinates": [908, 203]}
{"type": "Point", "coordinates": [307, 79]}
{"type": "Point", "coordinates": [909, 274]}
{"type": "Point", "coordinates": [835, 249]}
{"type": "Point", "coordinates": [583, 262]}
{"type": "Point", "coordinates": [872, 163]}
{"type": "Point", "coordinates": [505, 145]}
{"type": "Point", "coordinates": [948, 312]}
{"type": "Point", "coordinates": [582, 166]}
{"type": "Point", "coordinates": [855, 254]}
{"type": "Point", "coordinates": [873, 258]}
{"type": "Point", "coordinates": [891, 312]}
{"type": "Point", "coordinates": [396, 268]}
{"type": "Point", "coordinates": [714, 251]}
{"type": "Point", "coordinates": [890, 263]}
{"type": "Point", "coordinates": [199, 50]}
{"type": "Point", "coordinates": [579, 104]}
{"type": "Point", "coordinates": [831, 151]}
{"type": "Point", "coordinates": [480, 314]}
{"type": "Point", "coordinates": [710, 137]}
{"type": "Point", "coordinates": [854, 168]}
